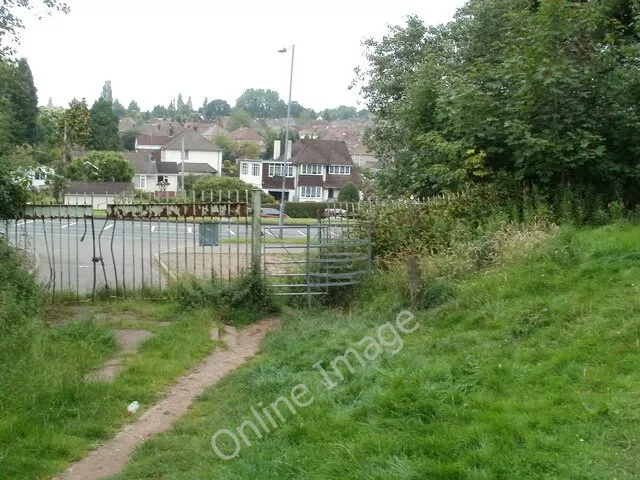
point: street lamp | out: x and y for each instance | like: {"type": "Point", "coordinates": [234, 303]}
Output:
{"type": "Point", "coordinates": [286, 139]}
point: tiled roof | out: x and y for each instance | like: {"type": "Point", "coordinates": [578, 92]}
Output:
{"type": "Point", "coordinates": [197, 168]}
{"type": "Point", "coordinates": [151, 140]}
{"type": "Point", "coordinates": [193, 141]}
{"type": "Point", "coordinates": [319, 152]}
{"type": "Point", "coordinates": [167, 168]}
{"type": "Point", "coordinates": [246, 134]}
{"type": "Point", "coordinates": [143, 165]}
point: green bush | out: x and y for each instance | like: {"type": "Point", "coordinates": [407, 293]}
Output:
{"type": "Point", "coordinates": [21, 299]}
{"type": "Point", "coordinates": [224, 188]}
{"type": "Point", "coordinates": [243, 301]}
{"type": "Point", "coordinates": [349, 193]}
{"type": "Point", "coordinates": [302, 209]}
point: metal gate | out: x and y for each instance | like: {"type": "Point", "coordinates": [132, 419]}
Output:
{"type": "Point", "coordinates": [311, 260]}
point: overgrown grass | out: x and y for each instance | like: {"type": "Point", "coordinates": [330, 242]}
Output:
{"type": "Point", "coordinates": [524, 366]}
{"type": "Point", "coordinates": [50, 415]}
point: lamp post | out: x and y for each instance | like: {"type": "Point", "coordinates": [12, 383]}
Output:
{"type": "Point", "coordinates": [286, 139]}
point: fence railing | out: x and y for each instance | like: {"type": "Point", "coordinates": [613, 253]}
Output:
{"type": "Point", "coordinates": [131, 249]}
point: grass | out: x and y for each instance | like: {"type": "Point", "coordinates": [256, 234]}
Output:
{"type": "Point", "coordinates": [530, 370]}
{"type": "Point", "coordinates": [50, 415]}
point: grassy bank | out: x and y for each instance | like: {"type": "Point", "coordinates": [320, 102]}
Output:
{"type": "Point", "coordinates": [526, 364]}
{"type": "Point", "coordinates": [50, 415]}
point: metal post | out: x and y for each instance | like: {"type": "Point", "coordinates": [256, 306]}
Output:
{"type": "Point", "coordinates": [286, 143]}
{"type": "Point", "coordinates": [308, 266]}
{"type": "Point", "coordinates": [256, 229]}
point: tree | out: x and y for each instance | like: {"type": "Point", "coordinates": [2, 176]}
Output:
{"type": "Point", "coordinates": [107, 92]}
{"type": "Point", "coordinates": [238, 119]}
{"type": "Point", "coordinates": [349, 193]}
{"type": "Point", "coordinates": [11, 24]}
{"type": "Point", "coordinates": [118, 109]}
{"type": "Point", "coordinates": [133, 110]}
{"type": "Point", "coordinates": [159, 112]}
{"type": "Point", "coordinates": [48, 127]}
{"type": "Point", "coordinates": [100, 166]}
{"type": "Point", "coordinates": [27, 101]}
{"type": "Point", "coordinates": [180, 105]}
{"type": "Point", "coordinates": [537, 94]}
{"type": "Point", "coordinates": [271, 135]}
{"type": "Point", "coordinates": [189, 105]}
{"type": "Point", "coordinates": [75, 127]}
{"type": "Point", "coordinates": [104, 127]}
{"type": "Point", "coordinates": [171, 110]}
{"type": "Point", "coordinates": [204, 105]}
{"type": "Point", "coordinates": [128, 140]}
{"type": "Point", "coordinates": [261, 103]}
{"type": "Point", "coordinates": [217, 108]}
{"type": "Point", "coordinates": [50, 103]}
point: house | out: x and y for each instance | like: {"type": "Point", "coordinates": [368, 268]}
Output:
{"type": "Point", "coordinates": [362, 157]}
{"type": "Point", "coordinates": [98, 194]}
{"type": "Point", "coordinates": [151, 176]}
{"type": "Point", "coordinates": [316, 171]}
{"type": "Point", "coordinates": [38, 177]}
{"type": "Point", "coordinates": [126, 125]}
{"type": "Point", "coordinates": [247, 135]}
{"type": "Point", "coordinates": [151, 144]}
{"type": "Point", "coordinates": [214, 131]}
{"type": "Point", "coordinates": [194, 149]}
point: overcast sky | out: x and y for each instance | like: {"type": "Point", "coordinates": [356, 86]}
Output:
{"type": "Point", "coordinates": [151, 50]}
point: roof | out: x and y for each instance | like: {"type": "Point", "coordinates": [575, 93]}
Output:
{"type": "Point", "coordinates": [214, 131]}
{"type": "Point", "coordinates": [151, 140]}
{"type": "Point", "coordinates": [246, 134]}
{"type": "Point", "coordinates": [193, 141]}
{"type": "Point", "coordinates": [144, 165]}
{"type": "Point", "coordinates": [141, 162]}
{"type": "Point", "coordinates": [319, 152]}
{"type": "Point", "coordinates": [99, 188]}
{"type": "Point", "coordinates": [198, 168]}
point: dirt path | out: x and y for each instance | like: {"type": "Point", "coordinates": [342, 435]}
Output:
{"type": "Point", "coordinates": [110, 458]}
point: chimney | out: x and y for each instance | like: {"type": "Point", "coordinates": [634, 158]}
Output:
{"type": "Point", "coordinates": [171, 130]}
{"type": "Point", "coordinates": [151, 157]}
{"type": "Point", "coordinates": [289, 148]}
{"type": "Point", "coordinates": [277, 149]}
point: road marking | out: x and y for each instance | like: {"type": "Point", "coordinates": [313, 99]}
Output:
{"type": "Point", "coordinates": [334, 234]}
{"type": "Point", "coordinates": [83, 266]}
{"type": "Point", "coordinates": [153, 228]}
{"type": "Point", "coordinates": [302, 233]}
{"type": "Point", "coordinates": [189, 230]}
{"type": "Point", "coordinates": [69, 225]}
{"type": "Point", "coordinates": [269, 232]}
{"type": "Point", "coordinates": [232, 232]}
{"type": "Point", "coordinates": [25, 222]}
{"type": "Point", "coordinates": [109, 226]}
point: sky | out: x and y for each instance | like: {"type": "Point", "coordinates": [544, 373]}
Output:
{"type": "Point", "coordinates": [152, 50]}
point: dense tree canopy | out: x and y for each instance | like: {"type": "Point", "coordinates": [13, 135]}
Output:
{"type": "Point", "coordinates": [104, 127]}
{"type": "Point", "coordinates": [75, 127]}
{"type": "Point", "coordinates": [100, 166]}
{"type": "Point", "coordinates": [260, 103]}
{"type": "Point", "coordinates": [217, 108]}
{"type": "Point", "coordinates": [543, 93]}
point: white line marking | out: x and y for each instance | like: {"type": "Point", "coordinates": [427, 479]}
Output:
{"type": "Point", "coordinates": [109, 226]}
{"type": "Point", "coordinates": [153, 228]}
{"type": "Point", "coordinates": [232, 232]}
{"type": "Point", "coordinates": [189, 230]}
{"type": "Point", "coordinates": [334, 234]}
{"type": "Point", "coordinates": [302, 233]}
{"type": "Point", "coordinates": [269, 232]}
{"type": "Point", "coordinates": [25, 222]}
{"type": "Point", "coordinates": [69, 225]}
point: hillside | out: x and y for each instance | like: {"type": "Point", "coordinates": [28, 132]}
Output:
{"type": "Point", "coordinates": [526, 370]}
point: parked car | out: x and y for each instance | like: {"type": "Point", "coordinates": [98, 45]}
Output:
{"type": "Point", "coordinates": [334, 213]}
{"type": "Point", "coordinates": [271, 213]}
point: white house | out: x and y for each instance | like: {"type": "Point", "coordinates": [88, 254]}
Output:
{"type": "Point", "coordinates": [158, 178]}
{"type": "Point", "coordinates": [38, 177]}
{"type": "Point", "coordinates": [195, 149]}
{"type": "Point", "coordinates": [316, 171]}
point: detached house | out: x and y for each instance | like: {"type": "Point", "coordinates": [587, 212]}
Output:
{"type": "Point", "coordinates": [151, 176]}
{"type": "Point", "coordinates": [316, 171]}
{"type": "Point", "coordinates": [200, 155]}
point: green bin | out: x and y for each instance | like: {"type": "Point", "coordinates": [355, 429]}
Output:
{"type": "Point", "coordinates": [209, 234]}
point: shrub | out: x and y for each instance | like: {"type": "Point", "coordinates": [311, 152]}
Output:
{"type": "Point", "coordinates": [224, 188]}
{"type": "Point", "coordinates": [349, 193]}
{"type": "Point", "coordinates": [20, 296]}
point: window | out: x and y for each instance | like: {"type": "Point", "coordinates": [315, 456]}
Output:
{"type": "Point", "coordinates": [186, 155]}
{"type": "Point", "coordinates": [244, 168]}
{"type": "Point", "coordinates": [340, 170]}
{"type": "Point", "coordinates": [255, 169]}
{"type": "Point", "coordinates": [163, 179]}
{"type": "Point", "coordinates": [142, 181]}
{"type": "Point", "coordinates": [310, 192]}
{"type": "Point", "coordinates": [277, 169]}
{"type": "Point", "coordinates": [311, 170]}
